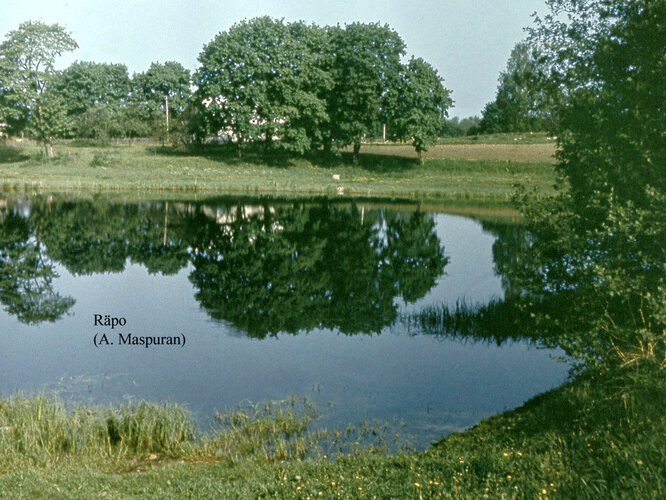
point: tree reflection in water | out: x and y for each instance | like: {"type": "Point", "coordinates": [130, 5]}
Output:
{"type": "Point", "coordinates": [265, 268]}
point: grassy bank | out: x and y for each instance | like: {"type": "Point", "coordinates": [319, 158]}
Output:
{"type": "Point", "coordinates": [598, 437]}
{"type": "Point", "coordinates": [383, 172]}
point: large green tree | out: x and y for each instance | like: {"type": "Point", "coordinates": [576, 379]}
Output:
{"type": "Point", "coordinates": [421, 108]}
{"type": "Point", "coordinates": [159, 98]}
{"type": "Point", "coordinates": [28, 56]}
{"type": "Point", "coordinates": [521, 103]}
{"type": "Point", "coordinates": [260, 80]}
{"type": "Point", "coordinates": [85, 84]}
{"type": "Point", "coordinates": [608, 59]}
{"type": "Point", "coordinates": [599, 248]}
{"type": "Point", "coordinates": [366, 70]}
{"type": "Point", "coordinates": [168, 80]}
{"type": "Point", "coordinates": [95, 95]}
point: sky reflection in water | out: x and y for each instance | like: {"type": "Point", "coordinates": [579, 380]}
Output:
{"type": "Point", "coordinates": [335, 277]}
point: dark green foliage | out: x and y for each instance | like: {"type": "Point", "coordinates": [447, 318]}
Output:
{"type": "Point", "coordinates": [589, 274]}
{"type": "Point", "coordinates": [421, 107]}
{"type": "Point", "coordinates": [366, 71]}
{"type": "Point", "coordinates": [296, 88]}
{"type": "Point", "coordinates": [162, 80]}
{"type": "Point", "coordinates": [86, 100]}
{"type": "Point", "coordinates": [299, 268]}
{"type": "Point", "coordinates": [456, 127]}
{"type": "Point", "coordinates": [85, 84]}
{"type": "Point", "coordinates": [27, 58]}
{"type": "Point", "coordinates": [96, 97]}
{"type": "Point", "coordinates": [521, 103]}
{"type": "Point", "coordinates": [613, 128]}
{"type": "Point", "coordinates": [50, 119]}
{"type": "Point", "coordinates": [413, 253]}
{"type": "Point", "coordinates": [89, 237]}
{"type": "Point", "coordinates": [601, 244]}
{"type": "Point", "coordinates": [263, 81]}
{"type": "Point", "coordinates": [265, 268]}
{"type": "Point", "coordinates": [26, 275]}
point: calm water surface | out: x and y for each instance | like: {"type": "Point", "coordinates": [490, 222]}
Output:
{"type": "Point", "coordinates": [274, 299]}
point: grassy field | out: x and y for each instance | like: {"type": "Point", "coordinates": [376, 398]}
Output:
{"type": "Point", "coordinates": [474, 173]}
{"type": "Point", "coordinates": [594, 438]}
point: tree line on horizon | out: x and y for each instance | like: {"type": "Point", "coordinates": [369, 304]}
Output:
{"type": "Point", "coordinates": [291, 87]}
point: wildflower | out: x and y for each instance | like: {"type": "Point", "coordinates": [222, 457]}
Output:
{"type": "Point", "coordinates": [418, 485]}
{"type": "Point", "coordinates": [508, 476]}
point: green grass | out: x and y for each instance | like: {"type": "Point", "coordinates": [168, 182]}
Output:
{"type": "Point", "coordinates": [598, 437]}
{"type": "Point", "coordinates": [381, 173]}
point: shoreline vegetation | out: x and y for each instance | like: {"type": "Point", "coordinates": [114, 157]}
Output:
{"type": "Point", "coordinates": [591, 438]}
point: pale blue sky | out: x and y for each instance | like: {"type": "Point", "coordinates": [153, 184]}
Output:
{"type": "Point", "coordinates": [468, 41]}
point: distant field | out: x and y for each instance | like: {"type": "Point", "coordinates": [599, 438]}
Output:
{"type": "Point", "coordinates": [504, 138]}
{"type": "Point", "coordinates": [530, 153]}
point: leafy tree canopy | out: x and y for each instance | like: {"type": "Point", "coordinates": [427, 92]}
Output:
{"type": "Point", "coordinates": [86, 84]}
{"type": "Point", "coordinates": [521, 104]}
{"type": "Point", "coordinates": [598, 249]}
{"type": "Point", "coordinates": [262, 81]}
{"type": "Point", "coordinates": [28, 56]}
{"type": "Point", "coordinates": [366, 70]}
{"type": "Point", "coordinates": [169, 79]}
{"type": "Point", "coordinates": [422, 106]}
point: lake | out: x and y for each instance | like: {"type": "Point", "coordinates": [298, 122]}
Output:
{"type": "Point", "coordinates": [271, 298]}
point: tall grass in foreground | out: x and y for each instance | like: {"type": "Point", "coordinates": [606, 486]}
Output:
{"type": "Point", "coordinates": [42, 431]}
{"type": "Point", "coordinates": [598, 436]}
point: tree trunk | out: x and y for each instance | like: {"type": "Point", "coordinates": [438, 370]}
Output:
{"type": "Point", "coordinates": [357, 148]}
{"type": "Point", "coordinates": [267, 141]}
{"type": "Point", "coordinates": [48, 149]}
{"type": "Point", "coordinates": [48, 146]}
{"type": "Point", "coordinates": [419, 153]}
